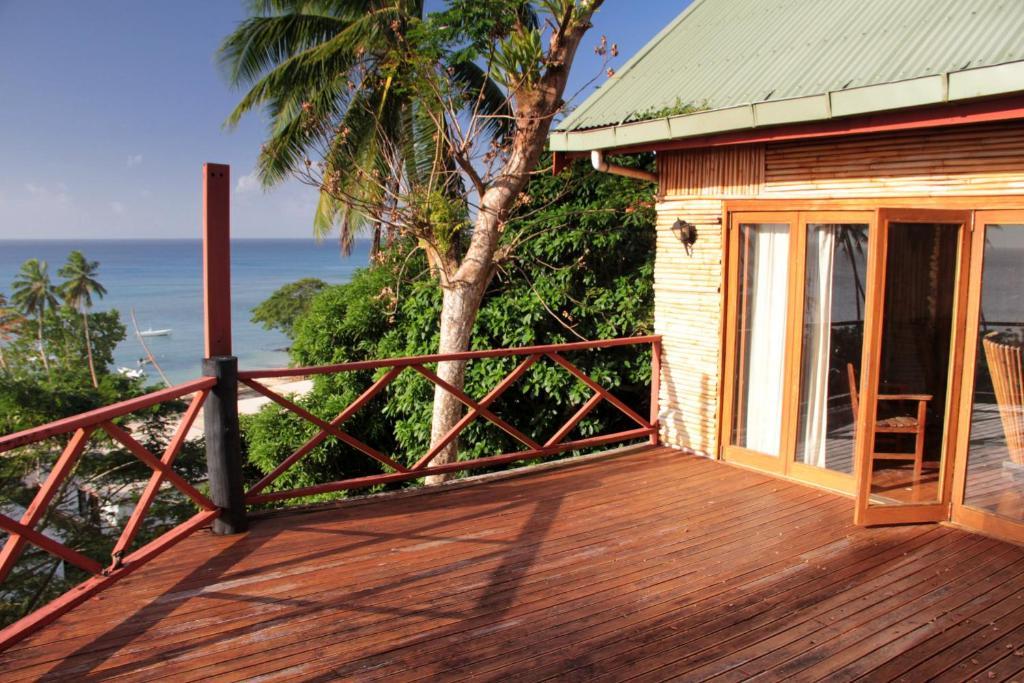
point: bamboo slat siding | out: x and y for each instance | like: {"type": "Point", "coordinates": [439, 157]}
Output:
{"type": "Point", "coordinates": [687, 311]}
{"type": "Point", "coordinates": [977, 160]}
{"type": "Point", "coordinates": [981, 160]}
{"type": "Point", "coordinates": [722, 172]}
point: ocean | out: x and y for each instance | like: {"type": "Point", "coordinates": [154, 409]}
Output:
{"type": "Point", "coordinates": [162, 281]}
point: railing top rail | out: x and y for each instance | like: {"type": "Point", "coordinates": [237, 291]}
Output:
{"type": "Point", "coordinates": [100, 415]}
{"type": "Point", "coordinates": [438, 357]}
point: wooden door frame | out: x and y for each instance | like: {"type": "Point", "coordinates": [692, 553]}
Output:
{"type": "Point", "coordinates": [961, 513]}
{"type": "Point", "coordinates": [900, 513]}
{"type": "Point", "coordinates": [785, 464]}
{"type": "Point", "coordinates": [739, 454]}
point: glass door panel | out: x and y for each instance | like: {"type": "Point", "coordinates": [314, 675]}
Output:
{"type": "Point", "coordinates": [915, 339]}
{"type": "Point", "coordinates": [994, 481]}
{"type": "Point", "coordinates": [762, 265]}
{"type": "Point", "coordinates": [832, 335]}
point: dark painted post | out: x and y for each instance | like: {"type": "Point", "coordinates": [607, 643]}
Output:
{"type": "Point", "coordinates": [220, 413]}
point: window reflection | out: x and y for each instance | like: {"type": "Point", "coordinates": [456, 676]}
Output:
{"type": "Point", "coordinates": [833, 334]}
{"type": "Point", "coordinates": [995, 465]}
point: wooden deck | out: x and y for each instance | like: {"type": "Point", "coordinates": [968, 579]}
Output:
{"type": "Point", "coordinates": [654, 565]}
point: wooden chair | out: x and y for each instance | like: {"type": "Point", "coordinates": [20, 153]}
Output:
{"type": "Point", "coordinates": [902, 424]}
{"type": "Point", "coordinates": [1007, 371]}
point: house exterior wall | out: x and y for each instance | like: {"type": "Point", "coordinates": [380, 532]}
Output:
{"type": "Point", "coordinates": [984, 160]}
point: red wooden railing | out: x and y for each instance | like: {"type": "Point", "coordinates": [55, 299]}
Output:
{"type": "Point", "coordinates": [647, 427]}
{"type": "Point", "coordinates": [122, 562]}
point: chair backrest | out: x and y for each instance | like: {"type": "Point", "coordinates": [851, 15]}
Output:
{"type": "Point", "coordinates": [1007, 371]}
{"type": "Point", "coordinates": [851, 376]}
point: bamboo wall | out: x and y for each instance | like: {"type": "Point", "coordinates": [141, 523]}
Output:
{"type": "Point", "coordinates": [687, 313]}
{"type": "Point", "coordinates": [693, 184]}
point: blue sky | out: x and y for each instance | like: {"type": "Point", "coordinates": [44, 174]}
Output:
{"type": "Point", "coordinates": [109, 108]}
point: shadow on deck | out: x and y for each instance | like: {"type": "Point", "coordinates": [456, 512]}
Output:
{"type": "Point", "coordinates": [652, 564]}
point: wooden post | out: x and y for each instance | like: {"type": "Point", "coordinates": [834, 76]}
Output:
{"type": "Point", "coordinates": [217, 259]}
{"type": "Point", "coordinates": [220, 415]}
{"type": "Point", "coordinates": [223, 445]}
{"type": "Point", "coordinates": [655, 390]}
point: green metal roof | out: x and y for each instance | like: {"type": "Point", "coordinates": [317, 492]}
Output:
{"type": "Point", "coordinates": [765, 62]}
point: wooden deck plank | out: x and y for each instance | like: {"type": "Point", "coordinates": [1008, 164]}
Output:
{"type": "Point", "coordinates": [652, 565]}
{"type": "Point", "coordinates": [264, 585]}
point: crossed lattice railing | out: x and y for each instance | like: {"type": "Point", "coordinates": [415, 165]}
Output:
{"type": "Point", "coordinates": [123, 559]}
{"type": "Point", "coordinates": [646, 427]}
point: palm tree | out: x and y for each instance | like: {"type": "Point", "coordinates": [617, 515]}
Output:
{"type": "Point", "coordinates": [301, 61]}
{"type": "Point", "coordinates": [351, 95]}
{"type": "Point", "coordinates": [78, 288]}
{"type": "Point", "coordinates": [10, 322]}
{"type": "Point", "coordinates": [34, 294]}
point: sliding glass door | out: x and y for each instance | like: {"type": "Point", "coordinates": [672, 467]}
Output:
{"type": "Point", "coordinates": [796, 314]}
{"type": "Point", "coordinates": [913, 353]}
{"type": "Point", "coordinates": [830, 346]}
{"type": "Point", "coordinates": [760, 344]}
{"type": "Point", "coordinates": [989, 484]}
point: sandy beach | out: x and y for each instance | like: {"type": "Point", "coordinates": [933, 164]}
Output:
{"type": "Point", "coordinates": [249, 402]}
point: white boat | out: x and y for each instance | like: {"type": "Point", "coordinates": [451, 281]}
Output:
{"type": "Point", "coordinates": [132, 374]}
{"type": "Point", "coordinates": [155, 333]}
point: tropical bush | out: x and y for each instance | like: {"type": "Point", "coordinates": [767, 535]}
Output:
{"type": "Point", "coordinates": [583, 269]}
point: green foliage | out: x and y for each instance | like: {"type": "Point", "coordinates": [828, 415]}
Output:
{"type": "Point", "coordinates": [327, 76]}
{"type": "Point", "coordinates": [519, 59]}
{"type": "Point", "coordinates": [582, 267]}
{"type": "Point", "coordinates": [677, 108]}
{"type": "Point", "coordinates": [105, 474]}
{"type": "Point", "coordinates": [80, 283]}
{"type": "Point", "coordinates": [33, 291]}
{"type": "Point", "coordinates": [441, 215]}
{"type": "Point", "coordinates": [287, 304]}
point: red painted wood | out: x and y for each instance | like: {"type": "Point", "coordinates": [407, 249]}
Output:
{"type": "Point", "coordinates": [50, 612]}
{"type": "Point", "coordinates": [487, 400]}
{"type": "Point", "coordinates": [574, 420]}
{"type": "Point", "coordinates": [655, 389]}
{"type": "Point", "coordinates": [466, 465]}
{"type": "Point", "coordinates": [48, 544]}
{"type": "Point", "coordinates": [434, 358]}
{"type": "Point", "coordinates": [157, 478]}
{"type": "Point", "coordinates": [320, 436]}
{"type": "Point", "coordinates": [83, 425]}
{"type": "Point", "coordinates": [140, 452]}
{"type": "Point", "coordinates": [65, 463]}
{"type": "Point", "coordinates": [326, 426]}
{"type": "Point", "coordinates": [478, 408]}
{"type": "Point", "coordinates": [217, 259]}
{"type": "Point", "coordinates": [100, 415]}
{"type": "Point", "coordinates": [608, 396]}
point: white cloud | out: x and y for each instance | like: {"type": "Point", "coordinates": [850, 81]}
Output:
{"type": "Point", "coordinates": [248, 183]}
{"type": "Point", "coordinates": [118, 208]}
{"type": "Point", "coordinates": [134, 160]}
{"type": "Point", "coordinates": [58, 193]}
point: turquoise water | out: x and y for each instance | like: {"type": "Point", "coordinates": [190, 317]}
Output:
{"type": "Point", "coordinates": [162, 280]}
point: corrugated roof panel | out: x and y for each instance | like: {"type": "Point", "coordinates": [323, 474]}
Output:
{"type": "Point", "coordinates": [724, 53]}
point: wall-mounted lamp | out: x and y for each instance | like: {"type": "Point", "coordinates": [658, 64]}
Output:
{"type": "Point", "coordinates": [685, 233]}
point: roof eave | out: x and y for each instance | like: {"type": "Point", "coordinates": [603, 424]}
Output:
{"type": "Point", "coordinates": [955, 87]}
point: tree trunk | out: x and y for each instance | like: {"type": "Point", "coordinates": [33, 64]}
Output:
{"type": "Point", "coordinates": [465, 285]}
{"type": "Point", "coordinates": [42, 347]}
{"type": "Point", "coordinates": [459, 307]}
{"type": "Point", "coordinates": [88, 349]}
